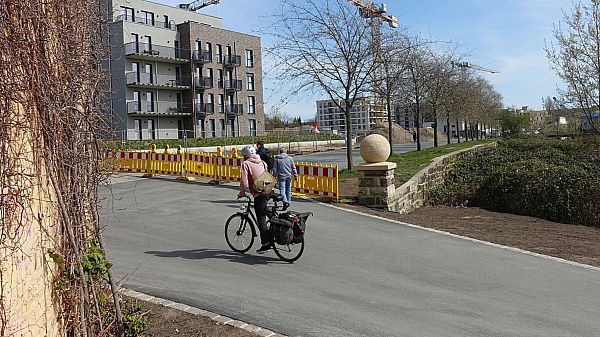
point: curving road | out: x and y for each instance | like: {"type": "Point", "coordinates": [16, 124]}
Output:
{"type": "Point", "coordinates": [339, 157]}
{"type": "Point", "coordinates": [359, 276]}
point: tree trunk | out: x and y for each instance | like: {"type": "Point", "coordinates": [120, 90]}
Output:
{"type": "Point", "coordinates": [435, 126]}
{"type": "Point", "coordinates": [417, 126]}
{"type": "Point", "coordinates": [477, 133]}
{"type": "Point", "coordinates": [390, 126]}
{"type": "Point", "coordinates": [347, 110]}
{"type": "Point", "coordinates": [458, 131]}
{"type": "Point", "coordinates": [448, 131]}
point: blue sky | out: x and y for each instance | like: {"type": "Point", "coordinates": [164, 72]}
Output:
{"type": "Point", "coordinates": [505, 35]}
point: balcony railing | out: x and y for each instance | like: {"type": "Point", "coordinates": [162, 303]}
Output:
{"type": "Point", "coordinates": [202, 56]}
{"type": "Point", "coordinates": [232, 60]}
{"type": "Point", "coordinates": [203, 109]}
{"type": "Point", "coordinates": [158, 108]}
{"type": "Point", "coordinates": [232, 85]}
{"type": "Point", "coordinates": [232, 110]}
{"type": "Point", "coordinates": [148, 22]}
{"type": "Point", "coordinates": [202, 82]}
{"type": "Point", "coordinates": [134, 78]}
{"type": "Point", "coordinates": [146, 49]}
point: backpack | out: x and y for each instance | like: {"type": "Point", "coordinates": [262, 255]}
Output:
{"type": "Point", "coordinates": [265, 183]}
{"type": "Point", "coordinates": [268, 158]}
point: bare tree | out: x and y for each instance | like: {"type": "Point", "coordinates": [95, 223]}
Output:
{"type": "Point", "coordinates": [389, 73]}
{"type": "Point", "coordinates": [576, 57]}
{"type": "Point", "coordinates": [415, 86]}
{"type": "Point", "coordinates": [441, 73]}
{"type": "Point", "coordinates": [323, 46]}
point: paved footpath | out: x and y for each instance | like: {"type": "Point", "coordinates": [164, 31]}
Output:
{"type": "Point", "coordinates": [359, 275]}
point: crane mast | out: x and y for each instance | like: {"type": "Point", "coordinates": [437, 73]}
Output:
{"type": "Point", "coordinates": [198, 4]}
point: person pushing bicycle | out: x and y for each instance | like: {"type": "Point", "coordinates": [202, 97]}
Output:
{"type": "Point", "coordinates": [252, 168]}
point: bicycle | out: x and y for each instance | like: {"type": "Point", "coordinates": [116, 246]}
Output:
{"type": "Point", "coordinates": [286, 229]}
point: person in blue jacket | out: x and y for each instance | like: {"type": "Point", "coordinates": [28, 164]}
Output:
{"type": "Point", "coordinates": [285, 169]}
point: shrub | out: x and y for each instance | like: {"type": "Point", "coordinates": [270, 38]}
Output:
{"type": "Point", "coordinates": [555, 180]}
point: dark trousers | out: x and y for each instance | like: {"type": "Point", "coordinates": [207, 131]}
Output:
{"type": "Point", "coordinates": [260, 207]}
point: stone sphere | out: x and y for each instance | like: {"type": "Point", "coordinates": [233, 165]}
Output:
{"type": "Point", "coordinates": [374, 148]}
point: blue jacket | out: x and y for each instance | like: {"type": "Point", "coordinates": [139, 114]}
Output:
{"type": "Point", "coordinates": [284, 166]}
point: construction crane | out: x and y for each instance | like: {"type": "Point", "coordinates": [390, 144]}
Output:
{"type": "Point", "coordinates": [370, 10]}
{"type": "Point", "coordinates": [474, 67]}
{"type": "Point", "coordinates": [198, 4]}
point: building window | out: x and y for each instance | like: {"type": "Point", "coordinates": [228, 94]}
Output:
{"type": "Point", "coordinates": [137, 103]}
{"type": "Point", "coordinates": [252, 123]}
{"type": "Point", "coordinates": [209, 73]}
{"type": "Point", "coordinates": [137, 128]}
{"type": "Point", "coordinates": [220, 106]}
{"type": "Point", "coordinates": [213, 130]}
{"type": "Point", "coordinates": [232, 127]}
{"type": "Point", "coordinates": [249, 58]}
{"type": "Point", "coordinates": [222, 125]}
{"type": "Point", "coordinates": [201, 128]}
{"type": "Point", "coordinates": [209, 49]}
{"type": "Point", "coordinates": [220, 78]}
{"type": "Point", "coordinates": [148, 18]}
{"type": "Point", "coordinates": [151, 129]}
{"type": "Point", "coordinates": [250, 82]}
{"type": "Point", "coordinates": [219, 53]}
{"type": "Point", "coordinates": [149, 76]}
{"type": "Point", "coordinates": [127, 14]}
{"type": "Point", "coordinates": [149, 101]}
{"type": "Point", "coordinates": [251, 101]}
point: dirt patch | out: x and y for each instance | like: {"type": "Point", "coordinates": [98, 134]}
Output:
{"type": "Point", "coordinates": [166, 322]}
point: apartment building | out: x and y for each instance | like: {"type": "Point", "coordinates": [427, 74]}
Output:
{"type": "Point", "coordinates": [178, 73]}
{"type": "Point", "coordinates": [366, 112]}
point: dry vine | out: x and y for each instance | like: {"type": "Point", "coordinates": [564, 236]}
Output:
{"type": "Point", "coordinates": [51, 86]}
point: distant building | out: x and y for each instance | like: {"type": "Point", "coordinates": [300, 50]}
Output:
{"type": "Point", "coordinates": [178, 73]}
{"type": "Point", "coordinates": [365, 113]}
{"type": "Point", "coordinates": [586, 126]}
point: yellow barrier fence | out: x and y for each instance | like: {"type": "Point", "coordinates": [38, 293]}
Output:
{"type": "Point", "coordinates": [314, 179]}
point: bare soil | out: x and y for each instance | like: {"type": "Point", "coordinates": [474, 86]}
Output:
{"type": "Point", "coordinates": [571, 242]}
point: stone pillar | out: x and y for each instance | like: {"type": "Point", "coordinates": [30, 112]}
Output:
{"type": "Point", "coordinates": [375, 177]}
{"type": "Point", "coordinates": [376, 184]}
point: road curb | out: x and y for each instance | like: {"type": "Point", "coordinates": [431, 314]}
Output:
{"type": "Point", "coordinates": [218, 319]}
{"type": "Point", "coordinates": [487, 243]}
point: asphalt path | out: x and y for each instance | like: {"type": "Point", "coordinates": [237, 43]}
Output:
{"type": "Point", "coordinates": [359, 276]}
{"type": "Point", "coordinates": [338, 157]}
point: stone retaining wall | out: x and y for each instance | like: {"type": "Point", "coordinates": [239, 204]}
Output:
{"type": "Point", "coordinates": [412, 194]}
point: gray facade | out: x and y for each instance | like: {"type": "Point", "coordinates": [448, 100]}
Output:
{"type": "Point", "coordinates": [158, 87]}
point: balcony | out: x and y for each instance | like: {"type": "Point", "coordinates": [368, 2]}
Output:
{"type": "Point", "coordinates": [148, 22]}
{"type": "Point", "coordinates": [157, 81]}
{"type": "Point", "coordinates": [202, 56]}
{"type": "Point", "coordinates": [233, 110]}
{"type": "Point", "coordinates": [232, 61]}
{"type": "Point", "coordinates": [203, 109]}
{"type": "Point", "coordinates": [232, 85]}
{"type": "Point", "coordinates": [203, 83]}
{"type": "Point", "coordinates": [151, 52]}
{"type": "Point", "coordinates": [158, 108]}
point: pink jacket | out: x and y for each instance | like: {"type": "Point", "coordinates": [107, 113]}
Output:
{"type": "Point", "coordinates": [251, 169]}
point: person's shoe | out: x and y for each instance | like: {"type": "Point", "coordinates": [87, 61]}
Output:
{"type": "Point", "coordinates": [285, 206]}
{"type": "Point", "coordinates": [264, 248]}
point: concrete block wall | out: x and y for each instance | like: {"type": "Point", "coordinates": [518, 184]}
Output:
{"type": "Point", "coordinates": [413, 194]}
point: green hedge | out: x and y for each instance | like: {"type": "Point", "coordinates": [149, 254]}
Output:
{"type": "Point", "coordinates": [551, 179]}
{"type": "Point", "coordinates": [202, 142]}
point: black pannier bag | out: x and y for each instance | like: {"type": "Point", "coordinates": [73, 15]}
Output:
{"type": "Point", "coordinates": [298, 224]}
{"type": "Point", "coordinates": [282, 231]}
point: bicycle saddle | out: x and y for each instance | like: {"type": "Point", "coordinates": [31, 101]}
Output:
{"type": "Point", "coordinates": [276, 197]}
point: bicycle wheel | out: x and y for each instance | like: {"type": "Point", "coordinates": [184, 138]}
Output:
{"type": "Point", "coordinates": [238, 234]}
{"type": "Point", "coordinates": [290, 252]}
